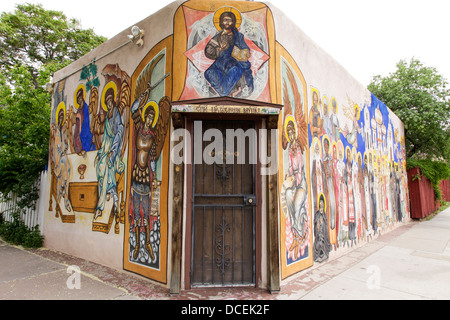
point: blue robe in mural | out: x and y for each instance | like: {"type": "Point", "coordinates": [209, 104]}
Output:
{"type": "Point", "coordinates": [82, 135]}
{"type": "Point", "coordinates": [225, 73]}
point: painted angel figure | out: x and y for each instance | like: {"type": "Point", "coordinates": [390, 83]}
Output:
{"type": "Point", "coordinates": [353, 113]}
{"type": "Point", "coordinates": [111, 121]}
{"type": "Point", "coordinates": [151, 122]}
{"type": "Point", "coordinates": [59, 161]}
{"type": "Point", "coordinates": [294, 189]}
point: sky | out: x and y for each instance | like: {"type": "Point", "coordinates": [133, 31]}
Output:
{"type": "Point", "coordinates": [366, 37]}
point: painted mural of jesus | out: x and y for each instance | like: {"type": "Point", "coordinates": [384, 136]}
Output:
{"type": "Point", "coordinates": [231, 73]}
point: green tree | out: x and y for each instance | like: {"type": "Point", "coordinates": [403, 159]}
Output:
{"type": "Point", "coordinates": [33, 36]}
{"type": "Point", "coordinates": [34, 43]}
{"type": "Point", "coordinates": [419, 96]}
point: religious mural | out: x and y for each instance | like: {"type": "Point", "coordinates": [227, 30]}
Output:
{"type": "Point", "coordinates": [146, 228]}
{"type": "Point", "coordinates": [227, 52]}
{"type": "Point", "coordinates": [87, 147]}
{"type": "Point", "coordinates": [60, 164]}
{"type": "Point", "coordinates": [358, 173]}
{"type": "Point", "coordinates": [296, 232]}
{"type": "Point", "coordinates": [342, 177]}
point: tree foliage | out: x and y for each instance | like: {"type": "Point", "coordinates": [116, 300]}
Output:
{"type": "Point", "coordinates": [33, 36]}
{"type": "Point", "coordinates": [434, 171]}
{"type": "Point", "coordinates": [34, 43]}
{"type": "Point", "coordinates": [419, 96]}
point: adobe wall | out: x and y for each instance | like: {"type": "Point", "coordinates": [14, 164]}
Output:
{"type": "Point", "coordinates": [95, 150]}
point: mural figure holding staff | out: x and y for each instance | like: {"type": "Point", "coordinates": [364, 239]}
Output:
{"type": "Point", "coordinates": [148, 143]}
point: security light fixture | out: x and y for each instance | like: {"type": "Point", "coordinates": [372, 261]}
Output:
{"type": "Point", "coordinates": [136, 36]}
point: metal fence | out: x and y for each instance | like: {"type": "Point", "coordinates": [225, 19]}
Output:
{"type": "Point", "coordinates": [32, 217]}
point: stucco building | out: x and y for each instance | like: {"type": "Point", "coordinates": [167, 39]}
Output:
{"type": "Point", "coordinates": [215, 144]}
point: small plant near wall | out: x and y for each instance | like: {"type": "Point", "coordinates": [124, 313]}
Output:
{"type": "Point", "coordinates": [17, 233]}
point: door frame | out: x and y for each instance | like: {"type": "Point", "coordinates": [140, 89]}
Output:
{"type": "Point", "coordinates": [182, 193]}
{"type": "Point", "coordinates": [189, 198]}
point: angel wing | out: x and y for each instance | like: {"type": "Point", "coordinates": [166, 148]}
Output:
{"type": "Point", "coordinates": [162, 125]}
{"type": "Point", "coordinates": [112, 72]}
{"type": "Point", "coordinates": [143, 85]}
{"type": "Point", "coordinates": [302, 125]}
{"type": "Point", "coordinates": [349, 110]}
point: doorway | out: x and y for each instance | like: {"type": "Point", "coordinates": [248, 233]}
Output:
{"type": "Point", "coordinates": [224, 204]}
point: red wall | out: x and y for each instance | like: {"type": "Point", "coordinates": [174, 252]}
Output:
{"type": "Point", "coordinates": [445, 188]}
{"type": "Point", "coordinates": [422, 195]}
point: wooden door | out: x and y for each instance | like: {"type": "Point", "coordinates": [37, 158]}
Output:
{"type": "Point", "coordinates": [223, 209]}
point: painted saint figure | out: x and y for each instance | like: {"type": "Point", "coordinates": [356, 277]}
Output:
{"type": "Point", "coordinates": [334, 121]}
{"type": "Point", "coordinates": [342, 227]}
{"type": "Point", "coordinates": [60, 162]}
{"type": "Point", "coordinates": [294, 191]}
{"type": "Point", "coordinates": [231, 73]}
{"type": "Point", "coordinates": [151, 126]}
{"type": "Point", "coordinates": [350, 199]}
{"type": "Point", "coordinates": [82, 137]}
{"type": "Point", "coordinates": [315, 118]}
{"type": "Point", "coordinates": [317, 173]}
{"type": "Point", "coordinates": [368, 199]}
{"type": "Point", "coordinates": [336, 183]}
{"type": "Point", "coordinates": [108, 161]}
{"type": "Point", "coordinates": [329, 190]}
{"type": "Point", "coordinates": [327, 124]}
{"type": "Point", "coordinates": [321, 246]}
{"type": "Point", "coordinates": [361, 182]}
{"type": "Point", "coordinates": [372, 192]}
{"type": "Point", "coordinates": [352, 134]}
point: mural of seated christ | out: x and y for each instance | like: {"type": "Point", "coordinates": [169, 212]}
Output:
{"type": "Point", "coordinates": [230, 74]}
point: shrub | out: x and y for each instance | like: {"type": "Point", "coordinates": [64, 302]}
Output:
{"type": "Point", "coordinates": [17, 233]}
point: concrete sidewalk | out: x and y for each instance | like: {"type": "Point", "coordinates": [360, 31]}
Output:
{"type": "Point", "coordinates": [409, 262]}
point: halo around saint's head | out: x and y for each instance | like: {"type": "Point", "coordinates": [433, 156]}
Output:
{"type": "Point", "coordinates": [289, 118]}
{"type": "Point", "coordinates": [317, 147]}
{"type": "Point", "coordinates": [109, 85]}
{"type": "Point", "coordinates": [322, 197]}
{"type": "Point", "coordinates": [326, 138]}
{"type": "Point", "coordinates": [325, 105]}
{"type": "Point", "coordinates": [155, 107]}
{"type": "Point", "coordinates": [61, 106]}
{"type": "Point", "coordinates": [341, 150]}
{"type": "Point", "coordinates": [358, 112]}
{"type": "Point", "coordinates": [75, 100]}
{"type": "Point", "coordinates": [334, 104]}
{"type": "Point", "coordinates": [219, 12]}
